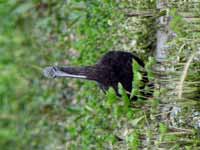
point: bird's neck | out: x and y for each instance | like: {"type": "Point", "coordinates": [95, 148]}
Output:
{"type": "Point", "coordinates": [88, 72]}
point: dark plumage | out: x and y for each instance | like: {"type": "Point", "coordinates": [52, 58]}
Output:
{"type": "Point", "coordinates": [113, 68]}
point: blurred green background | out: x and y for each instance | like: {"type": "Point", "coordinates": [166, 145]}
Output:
{"type": "Point", "coordinates": [37, 113]}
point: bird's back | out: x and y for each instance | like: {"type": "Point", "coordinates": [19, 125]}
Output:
{"type": "Point", "coordinates": [117, 67]}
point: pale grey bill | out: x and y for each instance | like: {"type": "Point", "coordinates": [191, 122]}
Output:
{"type": "Point", "coordinates": [53, 72]}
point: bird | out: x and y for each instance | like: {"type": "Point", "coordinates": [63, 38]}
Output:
{"type": "Point", "coordinates": [113, 68]}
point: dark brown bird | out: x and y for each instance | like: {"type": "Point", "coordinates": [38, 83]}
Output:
{"type": "Point", "coordinates": [113, 68]}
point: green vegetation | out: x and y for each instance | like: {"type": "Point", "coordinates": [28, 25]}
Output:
{"type": "Point", "coordinates": [38, 114]}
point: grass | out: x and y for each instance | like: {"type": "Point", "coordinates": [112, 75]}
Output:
{"type": "Point", "coordinates": [36, 113]}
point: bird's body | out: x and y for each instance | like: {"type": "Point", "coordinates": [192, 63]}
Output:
{"type": "Point", "coordinates": [113, 68]}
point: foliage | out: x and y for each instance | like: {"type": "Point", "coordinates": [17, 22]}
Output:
{"type": "Point", "coordinates": [36, 113]}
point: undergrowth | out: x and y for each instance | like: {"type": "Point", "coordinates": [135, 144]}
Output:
{"type": "Point", "coordinates": [37, 113]}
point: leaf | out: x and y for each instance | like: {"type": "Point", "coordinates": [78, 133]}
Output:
{"type": "Point", "coordinates": [72, 131]}
{"type": "Point", "coordinates": [116, 111]}
{"type": "Point", "coordinates": [74, 110]}
{"type": "Point", "coordinates": [163, 128]}
{"type": "Point", "coordinates": [23, 8]}
{"type": "Point", "coordinates": [134, 92]}
{"type": "Point", "coordinates": [177, 23]}
{"type": "Point", "coordinates": [111, 96]}
{"type": "Point", "coordinates": [135, 66]}
{"type": "Point", "coordinates": [122, 92]}
{"type": "Point", "coordinates": [136, 121]}
{"type": "Point", "coordinates": [137, 76]}
{"type": "Point", "coordinates": [133, 140]}
{"type": "Point", "coordinates": [149, 66]}
{"type": "Point", "coordinates": [7, 134]}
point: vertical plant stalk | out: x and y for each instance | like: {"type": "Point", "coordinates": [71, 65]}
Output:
{"type": "Point", "coordinates": [163, 35]}
{"type": "Point", "coordinates": [184, 75]}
